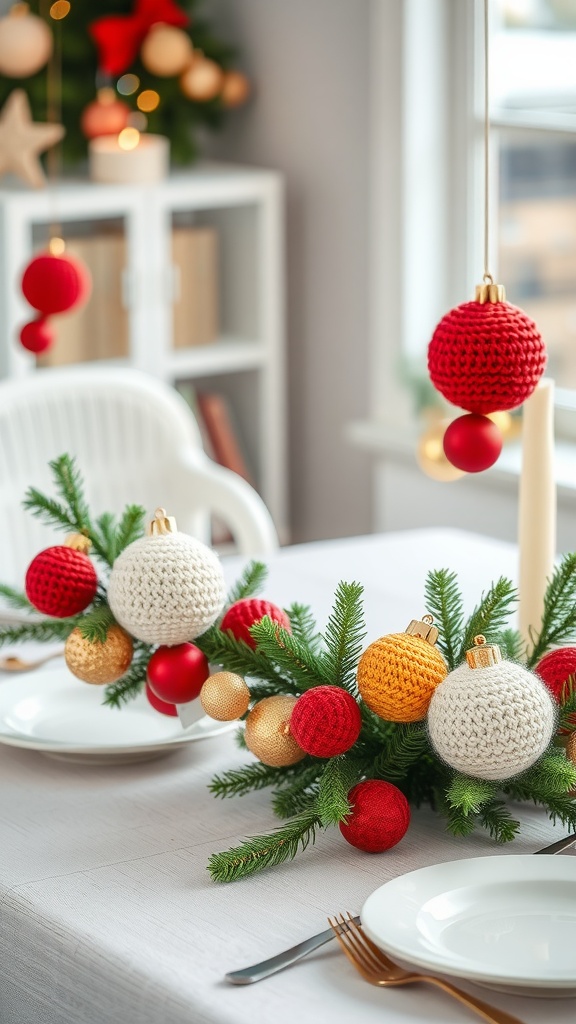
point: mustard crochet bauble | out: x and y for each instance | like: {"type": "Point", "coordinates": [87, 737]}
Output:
{"type": "Point", "coordinates": [491, 719]}
{"type": "Point", "coordinates": [268, 732]}
{"type": "Point", "coordinates": [97, 661]}
{"type": "Point", "coordinates": [398, 673]}
{"type": "Point", "coordinates": [166, 588]}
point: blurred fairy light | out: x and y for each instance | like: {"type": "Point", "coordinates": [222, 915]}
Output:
{"type": "Point", "coordinates": [128, 84]}
{"type": "Point", "coordinates": [59, 10]}
{"type": "Point", "coordinates": [148, 100]}
{"type": "Point", "coordinates": [129, 138]}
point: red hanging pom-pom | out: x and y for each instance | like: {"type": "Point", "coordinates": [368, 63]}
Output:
{"type": "Point", "coordinates": [379, 818]}
{"type": "Point", "coordinates": [53, 284]}
{"type": "Point", "coordinates": [246, 613]}
{"type": "Point", "coordinates": [61, 581]}
{"type": "Point", "coordinates": [37, 336]}
{"type": "Point", "coordinates": [326, 721]}
{"type": "Point", "coordinates": [472, 443]}
{"type": "Point", "coordinates": [176, 674]}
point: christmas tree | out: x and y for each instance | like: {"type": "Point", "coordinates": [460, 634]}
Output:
{"type": "Point", "coordinates": [83, 54]}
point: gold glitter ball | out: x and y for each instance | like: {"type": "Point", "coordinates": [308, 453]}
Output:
{"type": "Point", "coordinates": [225, 696]}
{"type": "Point", "coordinates": [268, 732]}
{"type": "Point", "coordinates": [97, 662]}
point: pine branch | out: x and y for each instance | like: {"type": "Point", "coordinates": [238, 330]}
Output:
{"type": "Point", "coordinates": [298, 793]}
{"type": "Point", "coordinates": [511, 644]}
{"type": "Point", "coordinates": [405, 745]}
{"type": "Point", "coordinates": [70, 487]}
{"type": "Point", "coordinates": [444, 603]}
{"type": "Point", "coordinates": [48, 510]}
{"type": "Point", "coordinates": [260, 852]}
{"type": "Point", "coordinates": [496, 818]}
{"type": "Point", "coordinates": [73, 515]}
{"type": "Point", "coordinates": [304, 626]}
{"type": "Point", "coordinates": [459, 822]}
{"type": "Point", "coordinates": [106, 526]}
{"type": "Point", "coordinates": [567, 720]}
{"type": "Point", "coordinates": [43, 631]}
{"type": "Point", "coordinates": [344, 637]}
{"type": "Point", "coordinates": [223, 649]}
{"type": "Point", "coordinates": [249, 584]}
{"type": "Point", "coordinates": [559, 615]}
{"type": "Point", "coordinates": [293, 658]}
{"type": "Point", "coordinates": [562, 808]}
{"type": "Point", "coordinates": [551, 776]}
{"type": "Point", "coordinates": [130, 527]}
{"type": "Point", "coordinates": [240, 739]}
{"type": "Point", "coordinates": [132, 682]}
{"type": "Point", "coordinates": [94, 625]}
{"type": "Point", "coordinates": [490, 616]}
{"type": "Point", "coordinates": [336, 781]}
{"type": "Point", "coordinates": [239, 781]}
{"type": "Point", "coordinates": [469, 794]}
{"type": "Point", "coordinates": [15, 598]}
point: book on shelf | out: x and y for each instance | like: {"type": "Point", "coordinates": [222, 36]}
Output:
{"type": "Point", "coordinates": [217, 420]}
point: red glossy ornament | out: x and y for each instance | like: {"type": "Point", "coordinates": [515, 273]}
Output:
{"type": "Point", "coordinates": [472, 443]}
{"type": "Point", "coordinates": [160, 705]}
{"type": "Point", "coordinates": [486, 356]}
{"type": "Point", "coordinates": [379, 818]}
{"type": "Point", "coordinates": [246, 613]}
{"type": "Point", "coordinates": [53, 284]}
{"type": "Point", "coordinates": [326, 721]}
{"type": "Point", "coordinates": [555, 670]}
{"type": "Point", "coordinates": [176, 674]}
{"type": "Point", "coordinates": [37, 336]}
{"type": "Point", "coordinates": [118, 37]}
{"type": "Point", "coordinates": [105, 115]}
{"type": "Point", "coordinates": [61, 582]}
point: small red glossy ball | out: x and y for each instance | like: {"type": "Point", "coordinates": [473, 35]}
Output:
{"type": "Point", "coordinates": [160, 705]}
{"type": "Point", "coordinates": [37, 336]}
{"type": "Point", "coordinates": [472, 443]}
{"type": "Point", "coordinates": [176, 674]}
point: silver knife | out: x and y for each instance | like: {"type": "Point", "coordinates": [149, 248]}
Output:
{"type": "Point", "coordinates": [248, 975]}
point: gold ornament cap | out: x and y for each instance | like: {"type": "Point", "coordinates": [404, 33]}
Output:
{"type": "Point", "coordinates": [423, 628]}
{"type": "Point", "coordinates": [78, 542]}
{"type": "Point", "coordinates": [488, 291]}
{"type": "Point", "coordinates": [161, 524]}
{"type": "Point", "coordinates": [483, 655]}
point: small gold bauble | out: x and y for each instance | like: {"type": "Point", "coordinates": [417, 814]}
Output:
{"type": "Point", "coordinates": [225, 696]}
{"type": "Point", "coordinates": [97, 662]}
{"type": "Point", "coordinates": [166, 51]}
{"type": "Point", "coordinates": [203, 79]}
{"type": "Point", "coordinates": [235, 89]}
{"type": "Point", "coordinates": [268, 732]}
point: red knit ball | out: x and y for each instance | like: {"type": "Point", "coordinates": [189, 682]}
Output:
{"type": "Point", "coordinates": [326, 721]}
{"type": "Point", "coordinates": [380, 816]}
{"type": "Point", "coordinates": [246, 613]}
{"type": "Point", "coordinates": [160, 705]}
{"type": "Point", "coordinates": [176, 674]}
{"type": "Point", "coordinates": [555, 668]}
{"type": "Point", "coordinates": [37, 336]}
{"type": "Point", "coordinates": [53, 284]}
{"type": "Point", "coordinates": [486, 357]}
{"type": "Point", "coordinates": [61, 582]}
{"type": "Point", "coordinates": [472, 443]}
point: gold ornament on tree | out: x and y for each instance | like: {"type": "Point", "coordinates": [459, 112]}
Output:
{"type": "Point", "coordinates": [203, 80]}
{"type": "Point", "coordinates": [225, 696]}
{"type": "Point", "coordinates": [26, 43]}
{"type": "Point", "coordinates": [268, 732]}
{"type": "Point", "coordinates": [166, 51]}
{"type": "Point", "coordinates": [97, 661]}
{"type": "Point", "coordinates": [21, 140]}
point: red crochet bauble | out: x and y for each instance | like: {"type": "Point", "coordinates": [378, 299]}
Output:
{"type": "Point", "coordinates": [61, 582]}
{"type": "Point", "coordinates": [555, 668]}
{"type": "Point", "coordinates": [246, 613]}
{"type": "Point", "coordinates": [176, 674]}
{"type": "Point", "coordinates": [53, 284]}
{"type": "Point", "coordinates": [37, 336]}
{"type": "Point", "coordinates": [486, 357]}
{"type": "Point", "coordinates": [160, 705]}
{"type": "Point", "coordinates": [326, 721]}
{"type": "Point", "coordinates": [380, 816]}
{"type": "Point", "coordinates": [118, 37]}
{"type": "Point", "coordinates": [472, 443]}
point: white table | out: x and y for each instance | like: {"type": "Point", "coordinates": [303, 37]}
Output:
{"type": "Point", "coordinates": [108, 913]}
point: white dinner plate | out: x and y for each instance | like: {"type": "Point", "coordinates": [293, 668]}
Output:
{"type": "Point", "coordinates": [52, 712]}
{"type": "Point", "coordinates": [508, 922]}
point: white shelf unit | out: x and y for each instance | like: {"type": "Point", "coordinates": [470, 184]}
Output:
{"type": "Point", "coordinates": [246, 362]}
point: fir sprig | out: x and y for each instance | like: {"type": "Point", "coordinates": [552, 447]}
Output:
{"type": "Point", "coordinates": [298, 792]}
{"type": "Point", "coordinates": [490, 616]}
{"type": "Point", "coordinates": [496, 818]}
{"type": "Point", "coordinates": [293, 658]}
{"type": "Point", "coordinates": [249, 584]}
{"type": "Point", "coordinates": [132, 682]}
{"type": "Point", "coordinates": [344, 634]}
{"type": "Point", "coordinates": [223, 649]}
{"type": "Point", "coordinates": [303, 626]}
{"type": "Point", "coordinates": [238, 781]}
{"type": "Point", "coordinates": [15, 598]}
{"type": "Point", "coordinates": [470, 794]}
{"type": "Point", "coordinates": [259, 852]}
{"type": "Point", "coordinates": [42, 631]}
{"type": "Point", "coordinates": [559, 615]}
{"type": "Point", "coordinates": [94, 625]}
{"type": "Point", "coordinates": [338, 777]}
{"type": "Point", "coordinates": [444, 602]}
{"type": "Point", "coordinates": [404, 746]}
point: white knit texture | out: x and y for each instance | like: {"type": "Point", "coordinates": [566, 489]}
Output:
{"type": "Point", "coordinates": [491, 723]}
{"type": "Point", "coordinates": [166, 589]}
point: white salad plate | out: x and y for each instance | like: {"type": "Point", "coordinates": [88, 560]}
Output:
{"type": "Point", "coordinates": [507, 922]}
{"type": "Point", "coordinates": [52, 712]}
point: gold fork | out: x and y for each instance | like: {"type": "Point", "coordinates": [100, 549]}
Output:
{"type": "Point", "coordinates": [378, 969]}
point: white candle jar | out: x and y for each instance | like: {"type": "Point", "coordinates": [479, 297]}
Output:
{"type": "Point", "coordinates": [148, 161]}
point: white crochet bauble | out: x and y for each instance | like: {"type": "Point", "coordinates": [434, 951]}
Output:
{"type": "Point", "coordinates": [493, 722]}
{"type": "Point", "coordinates": [166, 589]}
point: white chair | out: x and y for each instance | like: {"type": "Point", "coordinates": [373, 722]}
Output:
{"type": "Point", "coordinates": [135, 441]}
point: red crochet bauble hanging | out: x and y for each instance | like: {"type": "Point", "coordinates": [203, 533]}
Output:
{"type": "Point", "coordinates": [486, 356]}
{"type": "Point", "coordinates": [326, 721]}
{"type": "Point", "coordinates": [176, 674]}
{"type": "Point", "coordinates": [246, 613]}
{"type": "Point", "coordinates": [37, 336]}
{"type": "Point", "coordinates": [160, 705]}
{"type": "Point", "coordinates": [61, 581]}
{"type": "Point", "coordinates": [53, 284]}
{"type": "Point", "coordinates": [379, 818]}
{"type": "Point", "coordinates": [555, 669]}
{"type": "Point", "coordinates": [472, 443]}
{"type": "Point", "coordinates": [118, 37]}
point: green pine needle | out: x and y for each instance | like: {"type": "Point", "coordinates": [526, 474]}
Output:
{"type": "Point", "coordinates": [132, 682]}
{"type": "Point", "coordinates": [444, 603]}
{"type": "Point", "coordinates": [336, 781]}
{"type": "Point", "coordinates": [298, 792]}
{"type": "Point", "coordinates": [460, 822]}
{"type": "Point", "coordinates": [496, 818]}
{"type": "Point", "coordinates": [490, 616]}
{"type": "Point", "coordinates": [43, 632]}
{"type": "Point", "coordinates": [511, 644]}
{"type": "Point", "coordinates": [344, 636]}
{"type": "Point", "coordinates": [250, 583]}
{"type": "Point", "coordinates": [469, 794]}
{"type": "Point", "coordinates": [260, 852]}
{"type": "Point", "coordinates": [130, 527]}
{"type": "Point", "coordinates": [303, 626]}
{"type": "Point", "coordinates": [15, 598]}
{"type": "Point", "coordinates": [405, 745]}
{"type": "Point", "coordinates": [238, 781]}
{"type": "Point", "coordinates": [559, 615]}
{"type": "Point", "coordinates": [293, 658]}
{"type": "Point", "coordinates": [94, 625]}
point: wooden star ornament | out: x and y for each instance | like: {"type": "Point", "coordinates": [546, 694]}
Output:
{"type": "Point", "coordinates": [22, 140]}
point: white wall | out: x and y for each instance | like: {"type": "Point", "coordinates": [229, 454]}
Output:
{"type": "Point", "coordinates": [309, 119]}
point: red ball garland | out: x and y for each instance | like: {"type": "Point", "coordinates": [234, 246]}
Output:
{"type": "Point", "coordinates": [326, 721]}
{"type": "Point", "coordinates": [53, 284]}
{"type": "Point", "coordinates": [246, 613]}
{"type": "Point", "coordinates": [486, 357]}
{"type": "Point", "coordinates": [380, 816]}
{"type": "Point", "coordinates": [37, 336]}
{"type": "Point", "coordinates": [61, 582]}
{"type": "Point", "coordinates": [472, 443]}
{"type": "Point", "coordinates": [176, 674]}
{"type": "Point", "coordinates": [160, 705]}
{"type": "Point", "coordinates": [555, 669]}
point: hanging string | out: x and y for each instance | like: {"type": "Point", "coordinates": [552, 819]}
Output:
{"type": "Point", "coordinates": [488, 279]}
{"type": "Point", "coordinates": [54, 116]}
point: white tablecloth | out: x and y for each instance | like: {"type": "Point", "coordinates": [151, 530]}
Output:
{"type": "Point", "coordinates": [109, 915]}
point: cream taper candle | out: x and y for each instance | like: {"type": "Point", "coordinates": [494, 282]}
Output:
{"type": "Point", "coordinates": [537, 512]}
